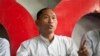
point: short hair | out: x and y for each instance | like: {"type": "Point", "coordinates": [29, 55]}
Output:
{"type": "Point", "coordinates": [41, 11]}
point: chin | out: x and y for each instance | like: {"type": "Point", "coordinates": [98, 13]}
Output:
{"type": "Point", "coordinates": [51, 31]}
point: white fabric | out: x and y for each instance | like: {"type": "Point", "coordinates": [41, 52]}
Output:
{"type": "Point", "coordinates": [4, 47]}
{"type": "Point", "coordinates": [40, 46]}
{"type": "Point", "coordinates": [92, 42]}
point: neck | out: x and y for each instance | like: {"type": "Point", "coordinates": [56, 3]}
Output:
{"type": "Point", "coordinates": [50, 36]}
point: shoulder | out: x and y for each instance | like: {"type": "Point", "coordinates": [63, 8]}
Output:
{"type": "Point", "coordinates": [4, 42]}
{"type": "Point", "coordinates": [65, 39]}
{"type": "Point", "coordinates": [93, 35]}
{"type": "Point", "coordinates": [31, 41]}
{"type": "Point", "coordinates": [93, 32]}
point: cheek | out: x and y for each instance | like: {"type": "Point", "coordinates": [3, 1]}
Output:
{"type": "Point", "coordinates": [56, 22]}
{"type": "Point", "coordinates": [43, 25]}
{"type": "Point", "coordinates": [43, 22]}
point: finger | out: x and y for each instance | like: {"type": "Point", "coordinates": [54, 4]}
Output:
{"type": "Point", "coordinates": [83, 43]}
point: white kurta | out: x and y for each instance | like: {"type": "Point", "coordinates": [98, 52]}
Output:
{"type": "Point", "coordinates": [92, 42]}
{"type": "Point", "coordinates": [40, 46]}
{"type": "Point", "coordinates": [4, 47]}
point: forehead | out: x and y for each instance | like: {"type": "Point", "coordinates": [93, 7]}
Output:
{"type": "Point", "coordinates": [48, 12]}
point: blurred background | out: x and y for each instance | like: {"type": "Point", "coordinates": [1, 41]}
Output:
{"type": "Point", "coordinates": [17, 18]}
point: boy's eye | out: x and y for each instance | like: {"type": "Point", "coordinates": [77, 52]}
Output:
{"type": "Point", "coordinates": [53, 18]}
{"type": "Point", "coordinates": [46, 17]}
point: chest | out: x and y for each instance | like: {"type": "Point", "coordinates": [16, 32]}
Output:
{"type": "Point", "coordinates": [53, 49]}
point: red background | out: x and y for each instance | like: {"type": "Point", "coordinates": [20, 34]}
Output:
{"type": "Point", "coordinates": [20, 25]}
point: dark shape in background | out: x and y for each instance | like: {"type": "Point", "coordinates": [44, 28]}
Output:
{"type": "Point", "coordinates": [87, 23]}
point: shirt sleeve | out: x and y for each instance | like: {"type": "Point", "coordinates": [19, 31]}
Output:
{"type": "Point", "coordinates": [4, 47]}
{"type": "Point", "coordinates": [23, 50]}
{"type": "Point", "coordinates": [71, 47]}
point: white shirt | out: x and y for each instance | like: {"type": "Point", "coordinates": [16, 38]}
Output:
{"type": "Point", "coordinates": [4, 47]}
{"type": "Point", "coordinates": [92, 42]}
{"type": "Point", "coordinates": [40, 46]}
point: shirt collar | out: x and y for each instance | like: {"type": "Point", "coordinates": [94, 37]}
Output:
{"type": "Point", "coordinates": [45, 39]}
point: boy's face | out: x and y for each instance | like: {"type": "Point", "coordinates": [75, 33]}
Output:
{"type": "Point", "coordinates": [47, 21]}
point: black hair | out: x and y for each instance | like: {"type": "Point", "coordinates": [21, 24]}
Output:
{"type": "Point", "coordinates": [96, 15]}
{"type": "Point", "coordinates": [41, 11]}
